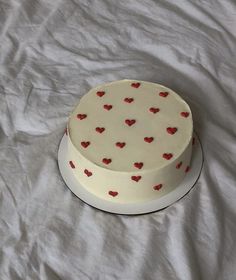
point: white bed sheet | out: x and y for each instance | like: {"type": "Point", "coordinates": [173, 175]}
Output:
{"type": "Point", "coordinates": [51, 53]}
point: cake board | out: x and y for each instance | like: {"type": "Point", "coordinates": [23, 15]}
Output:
{"type": "Point", "coordinates": [136, 208]}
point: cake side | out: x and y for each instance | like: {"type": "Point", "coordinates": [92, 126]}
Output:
{"type": "Point", "coordinates": [128, 187]}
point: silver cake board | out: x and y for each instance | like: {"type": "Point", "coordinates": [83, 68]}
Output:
{"type": "Point", "coordinates": [131, 208]}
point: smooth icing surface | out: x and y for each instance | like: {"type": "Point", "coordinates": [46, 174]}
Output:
{"type": "Point", "coordinates": [130, 140]}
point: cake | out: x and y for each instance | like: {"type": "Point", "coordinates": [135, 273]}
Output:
{"type": "Point", "coordinates": [130, 141]}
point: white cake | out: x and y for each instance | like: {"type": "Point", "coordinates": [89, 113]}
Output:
{"type": "Point", "coordinates": [130, 141]}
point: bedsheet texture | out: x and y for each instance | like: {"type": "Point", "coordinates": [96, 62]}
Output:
{"type": "Point", "coordinates": [51, 53]}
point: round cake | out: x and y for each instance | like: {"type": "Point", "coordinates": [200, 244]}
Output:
{"type": "Point", "coordinates": [130, 141]}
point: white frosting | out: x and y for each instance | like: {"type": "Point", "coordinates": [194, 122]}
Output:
{"type": "Point", "coordinates": [153, 127]}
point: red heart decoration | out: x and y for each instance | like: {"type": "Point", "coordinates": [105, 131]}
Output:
{"type": "Point", "coordinates": [71, 164]}
{"type": "Point", "coordinates": [130, 122]}
{"type": "Point", "coordinates": [112, 193]}
{"type": "Point", "coordinates": [171, 130]}
{"type": "Point", "coordinates": [81, 116]}
{"type": "Point", "coordinates": [163, 94]}
{"type": "Point", "coordinates": [107, 107]}
{"type": "Point", "coordinates": [106, 160]}
{"type": "Point", "coordinates": [128, 100]}
{"type": "Point", "coordinates": [157, 187]}
{"type": "Point", "coordinates": [136, 178]}
{"type": "Point", "coordinates": [148, 139]}
{"type": "Point", "coordinates": [87, 172]}
{"type": "Point", "coordinates": [179, 165]}
{"type": "Point", "coordinates": [184, 114]}
{"type": "Point", "coordinates": [100, 129]}
{"type": "Point", "coordinates": [187, 169]}
{"type": "Point", "coordinates": [193, 141]}
{"type": "Point", "coordinates": [85, 144]}
{"type": "Point", "coordinates": [135, 85]}
{"type": "Point", "coordinates": [154, 110]}
{"type": "Point", "coordinates": [100, 93]}
{"type": "Point", "coordinates": [167, 156]}
{"type": "Point", "coordinates": [120, 144]}
{"type": "Point", "coordinates": [138, 165]}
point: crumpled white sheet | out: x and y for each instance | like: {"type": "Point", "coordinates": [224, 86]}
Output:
{"type": "Point", "coordinates": [53, 52]}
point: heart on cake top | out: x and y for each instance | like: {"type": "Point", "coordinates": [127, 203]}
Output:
{"type": "Point", "coordinates": [135, 85]}
{"type": "Point", "coordinates": [108, 107]}
{"type": "Point", "coordinates": [184, 114]}
{"type": "Point", "coordinates": [100, 93]}
{"type": "Point", "coordinates": [120, 144]}
{"type": "Point", "coordinates": [167, 156]}
{"type": "Point", "coordinates": [138, 165]}
{"type": "Point", "coordinates": [81, 116]}
{"type": "Point", "coordinates": [100, 129]}
{"type": "Point", "coordinates": [128, 100]}
{"type": "Point", "coordinates": [85, 144]}
{"type": "Point", "coordinates": [171, 130]}
{"type": "Point", "coordinates": [148, 139]}
{"type": "Point", "coordinates": [163, 93]}
{"type": "Point", "coordinates": [154, 110]}
{"type": "Point", "coordinates": [106, 160]}
{"type": "Point", "coordinates": [130, 122]}
{"type": "Point", "coordinates": [113, 193]}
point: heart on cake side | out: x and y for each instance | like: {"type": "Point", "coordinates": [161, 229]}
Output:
{"type": "Point", "coordinates": [130, 122]}
{"type": "Point", "coordinates": [107, 107]}
{"type": "Point", "coordinates": [100, 129]}
{"type": "Point", "coordinates": [163, 94]}
{"type": "Point", "coordinates": [136, 178]}
{"type": "Point", "coordinates": [138, 165]}
{"type": "Point", "coordinates": [87, 172]}
{"type": "Point", "coordinates": [184, 114]}
{"type": "Point", "coordinates": [100, 93]}
{"type": "Point", "coordinates": [135, 85]}
{"type": "Point", "coordinates": [154, 110]}
{"type": "Point", "coordinates": [148, 139]}
{"type": "Point", "coordinates": [167, 156]}
{"type": "Point", "coordinates": [71, 164]}
{"type": "Point", "coordinates": [120, 144]}
{"type": "Point", "coordinates": [113, 193]}
{"type": "Point", "coordinates": [81, 116]}
{"type": "Point", "coordinates": [187, 169]}
{"type": "Point", "coordinates": [106, 160]}
{"type": "Point", "coordinates": [128, 100]}
{"type": "Point", "coordinates": [171, 130]}
{"type": "Point", "coordinates": [179, 165]}
{"type": "Point", "coordinates": [158, 187]}
{"type": "Point", "coordinates": [85, 144]}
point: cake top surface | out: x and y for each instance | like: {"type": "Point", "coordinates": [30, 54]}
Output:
{"type": "Point", "coordinates": [131, 125]}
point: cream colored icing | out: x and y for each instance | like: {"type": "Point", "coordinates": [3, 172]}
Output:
{"type": "Point", "coordinates": [170, 128]}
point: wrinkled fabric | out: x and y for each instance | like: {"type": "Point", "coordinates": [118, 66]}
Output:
{"type": "Point", "coordinates": [53, 52]}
